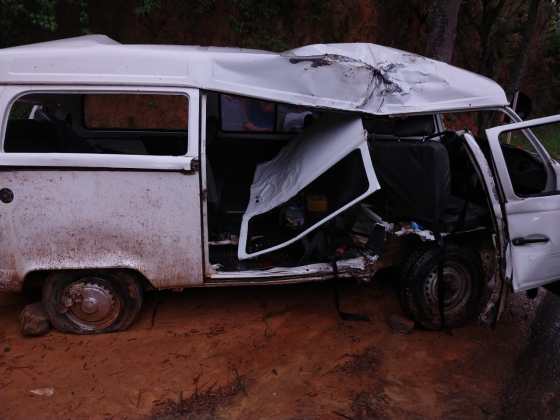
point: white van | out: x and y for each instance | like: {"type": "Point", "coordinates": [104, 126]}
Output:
{"type": "Point", "coordinates": [135, 167]}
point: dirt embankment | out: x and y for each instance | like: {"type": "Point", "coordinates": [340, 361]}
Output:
{"type": "Point", "coordinates": [277, 352]}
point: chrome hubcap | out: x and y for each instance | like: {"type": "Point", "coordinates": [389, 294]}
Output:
{"type": "Point", "coordinates": [91, 303]}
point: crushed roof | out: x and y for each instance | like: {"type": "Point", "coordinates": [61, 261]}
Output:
{"type": "Point", "coordinates": [360, 77]}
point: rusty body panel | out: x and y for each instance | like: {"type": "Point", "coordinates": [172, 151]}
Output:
{"type": "Point", "coordinates": [148, 221]}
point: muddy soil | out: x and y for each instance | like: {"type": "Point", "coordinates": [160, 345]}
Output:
{"type": "Point", "coordinates": [534, 390]}
{"type": "Point", "coordinates": [274, 352]}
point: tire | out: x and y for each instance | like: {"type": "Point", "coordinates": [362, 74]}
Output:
{"type": "Point", "coordinates": [463, 286]}
{"type": "Point", "coordinates": [92, 302]}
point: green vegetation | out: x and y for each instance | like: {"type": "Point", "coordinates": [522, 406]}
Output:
{"type": "Point", "coordinates": [516, 42]}
{"type": "Point", "coordinates": [146, 7]}
{"type": "Point", "coordinates": [255, 19]}
{"type": "Point", "coordinates": [19, 18]}
{"type": "Point", "coordinates": [550, 138]}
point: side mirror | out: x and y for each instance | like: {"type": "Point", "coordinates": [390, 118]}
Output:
{"type": "Point", "coordinates": [522, 105]}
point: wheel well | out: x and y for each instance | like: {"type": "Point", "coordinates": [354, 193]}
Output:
{"type": "Point", "coordinates": [479, 241]}
{"type": "Point", "coordinates": [33, 281]}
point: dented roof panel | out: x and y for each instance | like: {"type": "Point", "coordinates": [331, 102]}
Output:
{"type": "Point", "coordinates": [354, 77]}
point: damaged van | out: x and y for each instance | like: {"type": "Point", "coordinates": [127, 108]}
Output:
{"type": "Point", "coordinates": [128, 168]}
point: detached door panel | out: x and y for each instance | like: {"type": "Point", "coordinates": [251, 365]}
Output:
{"type": "Point", "coordinates": [525, 157]}
{"type": "Point", "coordinates": [330, 160]}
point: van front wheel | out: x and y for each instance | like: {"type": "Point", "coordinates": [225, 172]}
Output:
{"type": "Point", "coordinates": [462, 281]}
{"type": "Point", "coordinates": [92, 302]}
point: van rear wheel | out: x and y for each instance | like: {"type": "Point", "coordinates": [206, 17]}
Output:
{"type": "Point", "coordinates": [92, 302]}
{"type": "Point", "coordinates": [462, 281]}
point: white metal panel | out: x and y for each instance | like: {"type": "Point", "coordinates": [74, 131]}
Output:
{"type": "Point", "coordinates": [493, 135]}
{"type": "Point", "coordinates": [532, 265]}
{"type": "Point", "coordinates": [299, 163]}
{"type": "Point", "coordinates": [535, 264]}
{"type": "Point", "coordinates": [87, 160]}
{"type": "Point", "coordinates": [68, 219]}
{"type": "Point", "coordinates": [355, 77]}
{"type": "Point", "coordinates": [137, 212]}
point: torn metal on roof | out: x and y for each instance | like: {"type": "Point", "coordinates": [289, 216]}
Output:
{"type": "Point", "coordinates": [360, 77]}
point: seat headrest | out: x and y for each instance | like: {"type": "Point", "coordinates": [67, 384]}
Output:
{"type": "Point", "coordinates": [416, 126]}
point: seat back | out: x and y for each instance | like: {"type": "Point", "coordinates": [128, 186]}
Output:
{"type": "Point", "coordinates": [416, 177]}
{"type": "Point", "coordinates": [26, 136]}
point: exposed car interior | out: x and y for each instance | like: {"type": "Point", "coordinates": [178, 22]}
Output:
{"type": "Point", "coordinates": [428, 183]}
{"type": "Point", "coordinates": [425, 176]}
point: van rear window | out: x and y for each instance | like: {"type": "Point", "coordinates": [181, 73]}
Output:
{"type": "Point", "coordinates": [100, 123]}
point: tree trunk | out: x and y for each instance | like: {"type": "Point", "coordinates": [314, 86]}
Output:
{"type": "Point", "coordinates": [519, 65]}
{"type": "Point", "coordinates": [443, 29]}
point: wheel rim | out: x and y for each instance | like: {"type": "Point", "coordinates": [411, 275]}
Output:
{"type": "Point", "coordinates": [91, 303]}
{"type": "Point", "coordinates": [457, 283]}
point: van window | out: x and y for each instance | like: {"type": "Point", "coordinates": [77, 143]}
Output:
{"type": "Point", "coordinates": [475, 121]}
{"type": "Point", "coordinates": [549, 137]}
{"type": "Point", "coordinates": [526, 166]}
{"type": "Point", "coordinates": [105, 123]}
{"type": "Point", "coordinates": [240, 114]}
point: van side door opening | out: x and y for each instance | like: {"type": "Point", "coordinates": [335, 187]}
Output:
{"type": "Point", "coordinates": [275, 241]}
{"type": "Point", "coordinates": [301, 202]}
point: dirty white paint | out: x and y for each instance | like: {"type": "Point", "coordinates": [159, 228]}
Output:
{"type": "Point", "coordinates": [536, 264]}
{"type": "Point", "coordinates": [355, 77]}
{"type": "Point", "coordinates": [90, 160]}
{"type": "Point", "coordinates": [70, 219]}
{"type": "Point", "coordinates": [298, 164]}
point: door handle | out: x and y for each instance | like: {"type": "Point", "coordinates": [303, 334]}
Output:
{"type": "Point", "coordinates": [530, 239]}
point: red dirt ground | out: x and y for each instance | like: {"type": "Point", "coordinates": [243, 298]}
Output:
{"type": "Point", "coordinates": [275, 352]}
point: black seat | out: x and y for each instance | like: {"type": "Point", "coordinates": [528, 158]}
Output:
{"type": "Point", "coordinates": [432, 183]}
{"type": "Point", "coordinates": [30, 136]}
{"type": "Point", "coordinates": [416, 177]}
